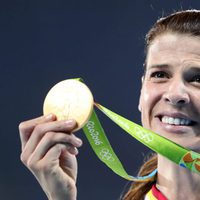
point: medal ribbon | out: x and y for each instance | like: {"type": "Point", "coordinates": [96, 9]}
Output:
{"type": "Point", "coordinates": [101, 146]}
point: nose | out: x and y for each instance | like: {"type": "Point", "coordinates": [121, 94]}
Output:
{"type": "Point", "coordinates": [177, 94]}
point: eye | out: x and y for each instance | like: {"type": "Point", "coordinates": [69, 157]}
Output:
{"type": "Point", "coordinates": [160, 74]}
{"type": "Point", "coordinates": [196, 79]}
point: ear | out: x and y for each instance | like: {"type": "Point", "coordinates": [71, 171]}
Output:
{"type": "Point", "coordinates": [140, 99]}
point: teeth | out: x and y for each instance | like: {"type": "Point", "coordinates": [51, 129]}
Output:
{"type": "Point", "coordinates": [175, 121]}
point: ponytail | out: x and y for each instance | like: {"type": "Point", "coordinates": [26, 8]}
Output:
{"type": "Point", "coordinates": [138, 190]}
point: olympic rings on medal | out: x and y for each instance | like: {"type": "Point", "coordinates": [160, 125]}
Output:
{"type": "Point", "coordinates": [145, 136]}
{"type": "Point", "coordinates": [106, 155]}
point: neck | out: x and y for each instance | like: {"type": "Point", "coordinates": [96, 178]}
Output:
{"type": "Point", "coordinates": [176, 182]}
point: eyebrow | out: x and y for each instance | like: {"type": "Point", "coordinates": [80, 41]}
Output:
{"type": "Point", "coordinates": [159, 66]}
{"type": "Point", "coordinates": [192, 69]}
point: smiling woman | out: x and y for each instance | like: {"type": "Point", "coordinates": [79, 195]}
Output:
{"type": "Point", "coordinates": [169, 105]}
{"type": "Point", "coordinates": [172, 86]}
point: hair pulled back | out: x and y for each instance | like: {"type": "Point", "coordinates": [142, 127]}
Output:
{"type": "Point", "coordinates": [182, 22]}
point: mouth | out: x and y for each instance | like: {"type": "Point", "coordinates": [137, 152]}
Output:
{"type": "Point", "coordinates": [176, 120]}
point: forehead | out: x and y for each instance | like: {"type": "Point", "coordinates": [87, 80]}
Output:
{"type": "Point", "coordinates": [172, 47]}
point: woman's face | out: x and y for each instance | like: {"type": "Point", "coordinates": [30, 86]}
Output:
{"type": "Point", "coordinates": [170, 95]}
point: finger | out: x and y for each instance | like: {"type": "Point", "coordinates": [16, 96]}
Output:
{"type": "Point", "coordinates": [50, 160]}
{"type": "Point", "coordinates": [42, 129]}
{"type": "Point", "coordinates": [53, 158]}
{"type": "Point", "coordinates": [26, 127]}
{"type": "Point", "coordinates": [60, 154]}
{"type": "Point", "coordinates": [51, 139]}
{"type": "Point", "coordinates": [54, 153]}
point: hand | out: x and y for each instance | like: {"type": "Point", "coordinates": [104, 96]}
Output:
{"type": "Point", "coordinates": [49, 150]}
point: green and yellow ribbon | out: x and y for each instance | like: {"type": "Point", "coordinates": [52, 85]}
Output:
{"type": "Point", "coordinates": [101, 146]}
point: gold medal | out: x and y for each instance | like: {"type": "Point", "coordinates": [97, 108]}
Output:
{"type": "Point", "coordinates": [70, 99]}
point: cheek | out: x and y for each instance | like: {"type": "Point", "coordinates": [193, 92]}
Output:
{"type": "Point", "coordinates": [146, 96]}
{"type": "Point", "coordinates": [195, 100]}
{"type": "Point", "coordinates": [145, 100]}
{"type": "Point", "coordinates": [150, 96]}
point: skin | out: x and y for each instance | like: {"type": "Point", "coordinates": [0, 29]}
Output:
{"type": "Point", "coordinates": [171, 87]}
{"type": "Point", "coordinates": [49, 151]}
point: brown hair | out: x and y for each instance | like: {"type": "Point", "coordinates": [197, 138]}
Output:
{"type": "Point", "coordinates": [139, 189]}
{"type": "Point", "coordinates": [182, 22]}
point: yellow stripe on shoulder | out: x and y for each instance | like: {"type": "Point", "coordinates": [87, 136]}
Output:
{"type": "Point", "coordinates": [149, 196]}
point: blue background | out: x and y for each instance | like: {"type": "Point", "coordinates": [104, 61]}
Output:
{"type": "Point", "coordinates": [43, 42]}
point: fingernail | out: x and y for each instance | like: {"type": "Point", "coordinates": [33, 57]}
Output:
{"type": "Point", "coordinates": [49, 116]}
{"type": "Point", "coordinates": [78, 141]}
{"type": "Point", "coordinates": [75, 151]}
{"type": "Point", "coordinates": [70, 122]}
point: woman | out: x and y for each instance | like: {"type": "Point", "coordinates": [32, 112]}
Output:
{"type": "Point", "coordinates": [169, 105]}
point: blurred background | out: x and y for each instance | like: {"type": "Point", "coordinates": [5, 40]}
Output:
{"type": "Point", "coordinates": [43, 42]}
